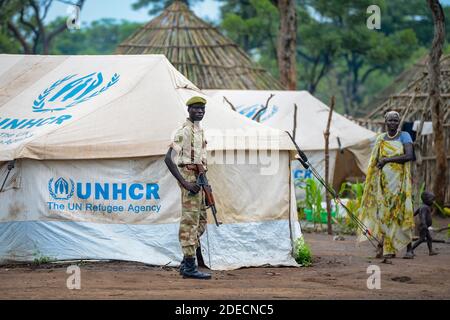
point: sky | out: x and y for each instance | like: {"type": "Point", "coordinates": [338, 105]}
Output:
{"type": "Point", "coordinates": [121, 9]}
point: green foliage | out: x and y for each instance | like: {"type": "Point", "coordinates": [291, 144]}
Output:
{"type": "Point", "coordinates": [302, 252]}
{"type": "Point", "coordinates": [301, 210]}
{"type": "Point", "coordinates": [445, 212]}
{"type": "Point", "coordinates": [362, 52]}
{"type": "Point", "coordinates": [7, 43]}
{"type": "Point", "coordinates": [99, 37]}
{"type": "Point", "coordinates": [24, 22]}
{"type": "Point", "coordinates": [41, 259]}
{"type": "Point", "coordinates": [252, 24]}
{"type": "Point", "coordinates": [355, 192]}
{"type": "Point", "coordinates": [337, 54]}
{"type": "Point", "coordinates": [313, 200]}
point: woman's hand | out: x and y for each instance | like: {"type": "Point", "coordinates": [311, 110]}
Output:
{"type": "Point", "coordinates": [381, 163]}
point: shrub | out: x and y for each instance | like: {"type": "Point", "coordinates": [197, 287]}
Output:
{"type": "Point", "coordinates": [303, 253]}
{"type": "Point", "coordinates": [355, 192]}
{"type": "Point", "coordinates": [445, 212]}
{"type": "Point", "coordinates": [41, 259]}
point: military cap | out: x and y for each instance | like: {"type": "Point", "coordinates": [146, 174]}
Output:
{"type": "Point", "coordinates": [195, 100]}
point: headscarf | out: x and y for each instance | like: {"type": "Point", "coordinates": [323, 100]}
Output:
{"type": "Point", "coordinates": [391, 114]}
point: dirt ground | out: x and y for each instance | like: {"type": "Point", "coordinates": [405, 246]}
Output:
{"type": "Point", "coordinates": [339, 272]}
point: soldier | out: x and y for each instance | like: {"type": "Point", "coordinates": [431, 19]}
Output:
{"type": "Point", "coordinates": [190, 147]}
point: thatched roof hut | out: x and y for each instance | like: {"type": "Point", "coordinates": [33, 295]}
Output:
{"type": "Point", "coordinates": [412, 101]}
{"type": "Point", "coordinates": [199, 51]}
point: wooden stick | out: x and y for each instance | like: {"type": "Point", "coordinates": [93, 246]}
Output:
{"type": "Point", "coordinates": [228, 101]}
{"type": "Point", "coordinates": [258, 115]}
{"type": "Point", "coordinates": [295, 121]}
{"type": "Point", "coordinates": [442, 229]}
{"type": "Point", "coordinates": [326, 135]}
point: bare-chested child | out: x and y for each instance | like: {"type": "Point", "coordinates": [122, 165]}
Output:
{"type": "Point", "coordinates": [425, 219]}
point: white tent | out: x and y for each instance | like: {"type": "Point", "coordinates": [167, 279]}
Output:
{"type": "Point", "coordinates": [88, 135]}
{"type": "Point", "coordinates": [349, 143]}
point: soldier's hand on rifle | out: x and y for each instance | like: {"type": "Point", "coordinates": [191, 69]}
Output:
{"type": "Point", "coordinates": [192, 187]}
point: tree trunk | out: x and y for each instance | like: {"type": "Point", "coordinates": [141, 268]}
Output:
{"type": "Point", "coordinates": [437, 112]}
{"type": "Point", "coordinates": [287, 43]}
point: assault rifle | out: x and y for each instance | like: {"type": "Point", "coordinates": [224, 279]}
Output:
{"type": "Point", "coordinates": [203, 183]}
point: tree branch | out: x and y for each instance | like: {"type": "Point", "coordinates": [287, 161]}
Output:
{"type": "Point", "coordinates": [27, 23]}
{"type": "Point", "coordinates": [46, 9]}
{"type": "Point", "coordinates": [19, 37]}
{"type": "Point", "coordinates": [322, 73]}
{"type": "Point", "coordinates": [304, 55]}
{"type": "Point", "coordinates": [41, 33]}
{"type": "Point", "coordinates": [368, 72]}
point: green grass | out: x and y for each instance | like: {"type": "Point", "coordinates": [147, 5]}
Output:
{"type": "Point", "coordinates": [303, 254]}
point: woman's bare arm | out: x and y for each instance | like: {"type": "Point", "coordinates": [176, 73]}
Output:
{"type": "Point", "coordinates": [407, 156]}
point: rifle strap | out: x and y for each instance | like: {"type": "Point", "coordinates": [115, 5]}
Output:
{"type": "Point", "coordinates": [192, 145]}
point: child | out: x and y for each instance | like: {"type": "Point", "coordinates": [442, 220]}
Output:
{"type": "Point", "coordinates": [424, 213]}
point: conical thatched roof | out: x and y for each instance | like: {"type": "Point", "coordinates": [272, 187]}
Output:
{"type": "Point", "coordinates": [199, 51]}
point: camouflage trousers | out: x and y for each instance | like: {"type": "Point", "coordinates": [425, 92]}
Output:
{"type": "Point", "coordinates": [193, 216]}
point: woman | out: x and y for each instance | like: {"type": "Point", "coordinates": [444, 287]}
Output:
{"type": "Point", "coordinates": [386, 206]}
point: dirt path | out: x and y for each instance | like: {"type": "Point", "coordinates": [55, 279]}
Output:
{"type": "Point", "coordinates": [339, 272]}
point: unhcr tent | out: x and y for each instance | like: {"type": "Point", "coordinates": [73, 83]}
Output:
{"type": "Point", "coordinates": [349, 143]}
{"type": "Point", "coordinates": [88, 135]}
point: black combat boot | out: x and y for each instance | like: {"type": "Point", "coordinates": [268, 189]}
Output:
{"type": "Point", "coordinates": [190, 270]}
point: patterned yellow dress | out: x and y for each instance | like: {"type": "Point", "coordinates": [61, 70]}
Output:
{"type": "Point", "coordinates": [386, 206]}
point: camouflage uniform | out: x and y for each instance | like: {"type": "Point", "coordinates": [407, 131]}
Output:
{"type": "Point", "coordinates": [190, 145]}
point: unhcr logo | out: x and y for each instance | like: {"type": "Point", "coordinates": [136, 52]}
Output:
{"type": "Point", "coordinates": [60, 189]}
{"type": "Point", "coordinates": [70, 91]}
{"type": "Point", "coordinates": [258, 110]}
{"type": "Point", "coordinates": [64, 189]}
